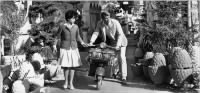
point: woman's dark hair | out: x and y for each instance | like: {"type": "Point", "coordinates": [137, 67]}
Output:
{"type": "Point", "coordinates": [34, 11]}
{"type": "Point", "coordinates": [36, 65]}
{"type": "Point", "coordinates": [31, 51]}
{"type": "Point", "coordinates": [29, 56]}
{"type": "Point", "coordinates": [70, 14]}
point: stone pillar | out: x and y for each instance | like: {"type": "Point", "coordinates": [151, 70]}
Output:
{"type": "Point", "coordinates": [2, 48]}
{"type": "Point", "coordinates": [189, 13]}
{"type": "Point", "coordinates": [194, 10]}
{"type": "Point", "coordinates": [195, 17]}
{"type": "Point", "coordinates": [151, 16]}
{"type": "Point", "coordinates": [86, 13]}
{"type": "Point", "coordinates": [86, 20]}
{"type": "Point", "coordinates": [199, 13]}
{"type": "Point", "coordinates": [1, 14]}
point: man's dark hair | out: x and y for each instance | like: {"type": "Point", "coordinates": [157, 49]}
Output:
{"type": "Point", "coordinates": [70, 14]}
{"type": "Point", "coordinates": [104, 14]}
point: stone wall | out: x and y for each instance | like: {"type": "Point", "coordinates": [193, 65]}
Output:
{"type": "Point", "coordinates": [90, 15]}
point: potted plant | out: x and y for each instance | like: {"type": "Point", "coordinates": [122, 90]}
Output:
{"type": "Point", "coordinates": [10, 24]}
{"type": "Point", "coordinates": [169, 30]}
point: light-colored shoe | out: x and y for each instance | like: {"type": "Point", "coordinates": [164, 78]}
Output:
{"type": "Point", "coordinates": [124, 82]}
{"type": "Point", "coordinates": [65, 86]}
{"type": "Point", "coordinates": [71, 87]}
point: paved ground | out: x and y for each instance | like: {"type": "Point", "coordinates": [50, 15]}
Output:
{"type": "Point", "coordinates": [86, 84]}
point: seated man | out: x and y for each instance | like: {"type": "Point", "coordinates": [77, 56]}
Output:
{"type": "Point", "coordinates": [44, 50]}
{"type": "Point", "coordinates": [29, 76]}
{"type": "Point", "coordinates": [41, 52]}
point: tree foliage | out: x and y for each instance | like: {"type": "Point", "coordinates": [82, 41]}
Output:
{"type": "Point", "coordinates": [52, 18]}
{"type": "Point", "coordinates": [170, 29]}
{"type": "Point", "coordinates": [10, 20]}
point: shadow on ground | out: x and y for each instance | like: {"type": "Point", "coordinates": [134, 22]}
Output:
{"type": "Point", "coordinates": [80, 82]}
{"type": "Point", "coordinates": [84, 83]}
{"type": "Point", "coordinates": [143, 83]}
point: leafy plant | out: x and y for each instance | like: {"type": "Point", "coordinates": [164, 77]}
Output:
{"type": "Point", "coordinates": [169, 30]}
{"type": "Point", "coordinates": [53, 16]}
{"type": "Point", "coordinates": [11, 21]}
{"type": "Point", "coordinates": [110, 6]}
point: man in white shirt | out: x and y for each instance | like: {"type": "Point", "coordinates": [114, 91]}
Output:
{"type": "Point", "coordinates": [113, 35]}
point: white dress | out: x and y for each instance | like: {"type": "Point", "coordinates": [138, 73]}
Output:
{"type": "Point", "coordinates": [70, 58]}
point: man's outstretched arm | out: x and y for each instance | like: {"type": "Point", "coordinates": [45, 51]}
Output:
{"type": "Point", "coordinates": [95, 34]}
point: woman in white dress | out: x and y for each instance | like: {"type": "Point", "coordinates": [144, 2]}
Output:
{"type": "Point", "coordinates": [69, 53]}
